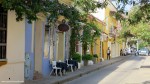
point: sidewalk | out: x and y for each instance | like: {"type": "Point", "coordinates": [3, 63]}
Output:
{"type": "Point", "coordinates": [78, 73]}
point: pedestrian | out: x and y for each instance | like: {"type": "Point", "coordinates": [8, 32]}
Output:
{"type": "Point", "coordinates": [121, 52]}
{"type": "Point", "coordinates": [108, 54]}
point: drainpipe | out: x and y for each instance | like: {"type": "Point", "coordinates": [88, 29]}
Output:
{"type": "Point", "coordinates": [101, 50]}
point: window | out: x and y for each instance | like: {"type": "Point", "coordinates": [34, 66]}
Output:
{"type": "Point", "coordinates": [46, 43]}
{"type": "Point", "coordinates": [3, 33]}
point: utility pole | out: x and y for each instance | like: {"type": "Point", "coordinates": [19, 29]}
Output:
{"type": "Point", "coordinates": [137, 45]}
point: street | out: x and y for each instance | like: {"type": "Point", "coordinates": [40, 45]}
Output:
{"type": "Point", "coordinates": [135, 70]}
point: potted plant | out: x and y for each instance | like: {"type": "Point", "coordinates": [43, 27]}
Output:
{"type": "Point", "coordinates": [86, 58]}
{"type": "Point", "coordinates": [95, 57]}
{"type": "Point", "coordinates": [77, 57]}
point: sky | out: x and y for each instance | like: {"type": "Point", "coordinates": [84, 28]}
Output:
{"type": "Point", "coordinates": [127, 8]}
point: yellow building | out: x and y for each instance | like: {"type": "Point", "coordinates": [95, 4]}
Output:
{"type": "Point", "coordinates": [111, 29]}
{"type": "Point", "coordinates": [97, 44]}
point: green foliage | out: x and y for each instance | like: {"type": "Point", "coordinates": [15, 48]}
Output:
{"type": "Point", "coordinates": [72, 42]}
{"type": "Point", "coordinates": [27, 8]}
{"type": "Point", "coordinates": [126, 31]}
{"type": "Point", "coordinates": [87, 57]}
{"type": "Point", "coordinates": [90, 34]}
{"type": "Point", "coordinates": [95, 55]}
{"type": "Point", "coordinates": [139, 31]}
{"type": "Point", "coordinates": [139, 12]}
{"type": "Point", "coordinates": [89, 5]}
{"type": "Point", "coordinates": [77, 57]}
{"type": "Point", "coordinates": [131, 42]}
{"type": "Point", "coordinates": [143, 44]}
{"type": "Point", "coordinates": [52, 9]}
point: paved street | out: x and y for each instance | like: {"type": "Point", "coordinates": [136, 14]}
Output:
{"type": "Point", "coordinates": [135, 70]}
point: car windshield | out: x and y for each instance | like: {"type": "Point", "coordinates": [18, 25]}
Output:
{"type": "Point", "coordinates": [143, 49]}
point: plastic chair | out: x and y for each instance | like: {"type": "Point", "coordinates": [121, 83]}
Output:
{"type": "Point", "coordinates": [69, 65]}
{"type": "Point", "coordinates": [56, 68]}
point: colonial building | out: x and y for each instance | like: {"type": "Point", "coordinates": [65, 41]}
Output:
{"type": "Point", "coordinates": [12, 47]}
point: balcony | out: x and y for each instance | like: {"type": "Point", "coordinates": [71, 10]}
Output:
{"type": "Point", "coordinates": [112, 31]}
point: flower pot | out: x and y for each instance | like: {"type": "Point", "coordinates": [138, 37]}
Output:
{"type": "Point", "coordinates": [85, 62]}
{"type": "Point", "coordinates": [94, 60]}
{"type": "Point", "coordinates": [79, 65]}
{"type": "Point", "coordinates": [90, 62]}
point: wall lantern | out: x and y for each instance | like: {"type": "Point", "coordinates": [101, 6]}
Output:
{"type": "Point", "coordinates": [63, 26]}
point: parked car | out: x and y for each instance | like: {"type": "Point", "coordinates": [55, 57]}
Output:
{"type": "Point", "coordinates": [128, 51]}
{"type": "Point", "coordinates": [144, 51]}
{"type": "Point", "coordinates": [124, 52]}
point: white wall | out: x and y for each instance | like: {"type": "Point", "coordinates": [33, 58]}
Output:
{"type": "Point", "coordinates": [14, 69]}
{"type": "Point", "coordinates": [115, 50]}
{"type": "Point", "coordinates": [99, 14]}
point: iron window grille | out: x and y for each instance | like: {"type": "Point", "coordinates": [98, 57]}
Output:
{"type": "Point", "coordinates": [3, 33]}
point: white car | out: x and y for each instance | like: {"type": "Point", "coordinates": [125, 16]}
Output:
{"type": "Point", "coordinates": [124, 52]}
{"type": "Point", "coordinates": [143, 52]}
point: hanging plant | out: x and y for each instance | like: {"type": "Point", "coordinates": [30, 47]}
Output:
{"type": "Point", "coordinates": [63, 27]}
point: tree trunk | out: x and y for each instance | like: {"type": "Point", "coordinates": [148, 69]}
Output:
{"type": "Point", "coordinates": [92, 48]}
{"type": "Point", "coordinates": [72, 42]}
{"type": "Point", "coordinates": [84, 48]}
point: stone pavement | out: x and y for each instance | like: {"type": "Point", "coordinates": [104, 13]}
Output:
{"type": "Point", "coordinates": [78, 73]}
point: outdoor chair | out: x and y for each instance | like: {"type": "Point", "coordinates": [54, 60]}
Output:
{"type": "Point", "coordinates": [69, 65]}
{"type": "Point", "coordinates": [56, 68]}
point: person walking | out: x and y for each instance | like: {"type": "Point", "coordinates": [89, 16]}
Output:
{"type": "Point", "coordinates": [121, 52]}
{"type": "Point", "coordinates": [108, 54]}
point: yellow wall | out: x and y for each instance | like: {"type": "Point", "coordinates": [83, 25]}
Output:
{"type": "Point", "coordinates": [112, 22]}
{"type": "Point", "coordinates": [105, 47]}
{"type": "Point", "coordinates": [98, 51]}
{"type": "Point", "coordinates": [60, 55]}
{"type": "Point", "coordinates": [68, 2]}
{"type": "Point", "coordinates": [38, 46]}
{"type": "Point", "coordinates": [14, 69]}
{"type": "Point", "coordinates": [98, 48]}
{"type": "Point", "coordinates": [111, 19]}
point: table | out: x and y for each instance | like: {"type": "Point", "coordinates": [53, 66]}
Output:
{"type": "Point", "coordinates": [74, 62]}
{"type": "Point", "coordinates": [62, 65]}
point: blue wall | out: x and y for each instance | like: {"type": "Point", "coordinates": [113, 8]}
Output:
{"type": "Point", "coordinates": [46, 68]}
{"type": "Point", "coordinates": [28, 47]}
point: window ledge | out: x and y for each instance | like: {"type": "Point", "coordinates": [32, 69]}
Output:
{"type": "Point", "coordinates": [3, 60]}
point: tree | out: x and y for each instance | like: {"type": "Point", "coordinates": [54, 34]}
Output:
{"type": "Point", "coordinates": [138, 20]}
{"type": "Point", "coordinates": [142, 10]}
{"type": "Point", "coordinates": [90, 32]}
{"type": "Point", "coordinates": [140, 31]}
{"type": "Point", "coordinates": [31, 8]}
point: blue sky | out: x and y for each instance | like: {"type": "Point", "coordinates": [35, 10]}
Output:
{"type": "Point", "coordinates": [127, 8]}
